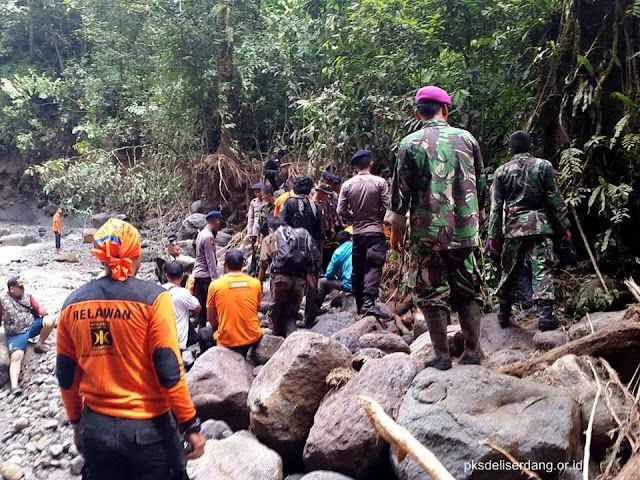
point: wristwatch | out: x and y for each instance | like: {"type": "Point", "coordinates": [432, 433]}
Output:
{"type": "Point", "coordinates": [192, 426]}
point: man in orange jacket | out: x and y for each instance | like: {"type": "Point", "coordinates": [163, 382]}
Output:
{"type": "Point", "coordinates": [120, 370]}
{"type": "Point", "coordinates": [57, 228]}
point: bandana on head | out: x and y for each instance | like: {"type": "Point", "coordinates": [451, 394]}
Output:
{"type": "Point", "coordinates": [117, 243]}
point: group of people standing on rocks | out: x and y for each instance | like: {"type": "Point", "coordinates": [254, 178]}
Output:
{"type": "Point", "coordinates": [120, 340]}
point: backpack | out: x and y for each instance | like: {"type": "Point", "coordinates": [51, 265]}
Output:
{"type": "Point", "coordinates": [299, 220]}
{"type": "Point", "coordinates": [294, 251]}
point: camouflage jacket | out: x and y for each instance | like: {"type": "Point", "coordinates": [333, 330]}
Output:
{"type": "Point", "coordinates": [18, 315]}
{"type": "Point", "coordinates": [526, 200]}
{"type": "Point", "coordinates": [439, 178]}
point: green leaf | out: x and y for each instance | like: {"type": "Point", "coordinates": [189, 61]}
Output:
{"type": "Point", "coordinates": [584, 61]}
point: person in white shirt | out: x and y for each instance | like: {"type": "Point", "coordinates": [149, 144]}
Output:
{"type": "Point", "coordinates": [183, 302]}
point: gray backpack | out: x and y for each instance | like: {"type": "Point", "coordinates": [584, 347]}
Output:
{"type": "Point", "coordinates": [294, 253]}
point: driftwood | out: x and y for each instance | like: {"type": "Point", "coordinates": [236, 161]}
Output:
{"type": "Point", "coordinates": [631, 469]}
{"type": "Point", "coordinates": [402, 441]}
{"type": "Point", "coordinates": [611, 339]}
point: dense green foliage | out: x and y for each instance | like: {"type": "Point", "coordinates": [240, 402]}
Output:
{"type": "Point", "coordinates": [116, 88]}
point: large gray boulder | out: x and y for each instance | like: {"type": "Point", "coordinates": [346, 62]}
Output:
{"type": "Point", "coordinates": [325, 475]}
{"type": "Point", "coordinates": [451, 412]}
{"type": "Point", "coordinates": [267, 348]}
{"type": "Point", "coordinates": [4, 232]}
{"type": "Point", "coordinates": [219, 383]}
{"type": "Point", "coordinates": [286, 393]}
{"type": "Point", "coordinates": [192, 225]}
{"type": "Point", "coordinates": [575, 375]}
{"type": "Point", "coordinates": [100, 219]}
{"type": "Point", "coordinates": [331, 323]}
{"type": "Point", "coordinates": [342, 437]}
{"type": "Point", "coordinates": [18, 240]}
{"type": "Point", "coordinates": [350, 336]}
{"type": "Point", "coordinates": [387, 342]}
{"type": "Point", "coordinates": [238, 457]}
{"type": "Point", "coordinates": [493, 337]}
{"type": "Point", "coordinates": [597, 320]}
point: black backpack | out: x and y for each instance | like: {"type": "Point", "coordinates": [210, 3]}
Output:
{"type": "Point", "coordinates": [294, 253]}
{"type": "Point", "coordinates": [299, 219]}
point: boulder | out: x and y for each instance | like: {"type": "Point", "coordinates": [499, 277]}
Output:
{"type": "Point", "coordinates": [350, 336]}
{"type": "Point", "coordinates": [364, 355]}
{"type": "Point", "coordinates": [4, 360]}
{"type": "Point", "coordinates": [421, 348]}
{"type": "Point", "coordinates": [342, 437]}
{"type": "Point", "coordinates": [493, 337]}
{"type": "Point", "coordinates": [331, 323]}
{"type": "Point", "coordinates": [286, 393]}
{"type": "Point", "coordinates": [238, 457]}
{"type": "Point", "coordinates": [215, 430]}
{"type": "Point", "coordinates": [451, 412]}
{"type": "Point", "coordinates": [100, 219]}
{"type": "Point", "coordinates": [202, 206]}
{"type": "Point", "coordinates": [575, 375]}
{"type": "Point", "coordinates": [191, 226]}
{"type": "Point", "coordinates": [4, 232]}
{"type": "Point", "coordinates": [505, 356]}
{"type": "Point", "coordinates": [598, 320]}
{"type": "Point", "coordinates": [18, 240]}
{"type": "Point", "coordinates": [223, 239]}
{"type": "Point", "coordinates": [267, 348]}
{"type": "Point", "coordinates": [187, 248]}
{"type": "Point", "coordinates": [345, 303]}
{"type": "Point", "coordinates": [87, 235]}
{"type": "Point", "coordinates": [549, 340]}
{"type": "Point", "coordinates": [219, 383]}
{"type": "Point", "coordinates": [325, 475]}
{"type": "Point", "coordinates": [66, 257]}
{"type": "Point", "coordinates": [386, 342]}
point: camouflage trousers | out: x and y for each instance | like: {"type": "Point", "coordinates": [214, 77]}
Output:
{"type": "Point", "coordinates": [538, 251]}
{"type": "Point", "coordinates": [443, 278]}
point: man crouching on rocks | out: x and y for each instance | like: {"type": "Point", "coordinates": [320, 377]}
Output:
{"type": "Point", "coordinates": [23, 319]}
{"type": "Point", "coordinates": [120, 370]}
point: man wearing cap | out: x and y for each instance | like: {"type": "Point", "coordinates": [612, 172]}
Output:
{"type": "Point", "coordinates": [362, 203]}
{"type": "Point", "coordinates": [232, 308]}
{"type": "Point", "coordinates": [332, 180]}
{"type": "Point", "coordinates": [23, 318]}
{"type": "Point", "coordinates": [439, 181]}
{"type": "Point", "coordinates": [183, 302]}
{"type": "Point", "coordinates": [206, 267]}
{"type": "Point", "coordinates": [253, 222]}
{"type": "Point", "coordinates": [120, 370]}
{"type": "Point", "coordinates": [526, 209]}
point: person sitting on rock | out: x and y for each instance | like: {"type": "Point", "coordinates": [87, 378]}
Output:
{"type": "Point", "coordinates": [23, 318]}
{"type": "Point", "coordinates": [120, 370]}
{"type": "Point", "coordinates": [291, 255]}
{"type": "Point", "coordinates": [183, 304]}
{"type": "Point", "coordinates": [232, 308]}
{"type": "Point", "coordinates": [338, 276]}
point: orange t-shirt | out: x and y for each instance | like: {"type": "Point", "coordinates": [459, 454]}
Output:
{"type": "Point", "coordinates": [118, 352]}
{"type": "Point", "coordinates": [236, 298]}
{"type": "Point", "coordinates": [57, 223]}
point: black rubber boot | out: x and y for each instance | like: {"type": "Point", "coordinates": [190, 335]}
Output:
{"type": "Point", "coordinates": [369, 307]}
{"type": "Point", "coordinates": [504, 314]}
{"type": "Point", "coordinates": [469, 313]}
{"type": "Point", "coordinates": [546, 320]}
{"type": "Point", "coordinates": [436, 318]}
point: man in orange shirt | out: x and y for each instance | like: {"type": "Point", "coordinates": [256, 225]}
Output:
{"type": "Point", "coordinates": [120, 370]}
{"type": "Point", "coordinates": [57, 228]}
{"type": "Point", "coordinates": [288, 193]}
{"type": "Point", "coordinates": [232, 308]}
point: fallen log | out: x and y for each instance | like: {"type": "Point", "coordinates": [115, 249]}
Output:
{"type": "Point", "coordinates": [402, 441]}
{"type": "Point", "coordinates": [611, 339]}
{"type": "Point", "coordinates": [631, 469]}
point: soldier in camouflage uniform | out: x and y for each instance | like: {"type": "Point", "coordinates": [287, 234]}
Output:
{"type": "Point", "coordinates": [439, 180]}
{"type": "Point", "coordinates": [526, 208]}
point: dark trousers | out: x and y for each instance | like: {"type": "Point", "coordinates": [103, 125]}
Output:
{"type": "Point", "coordinates": [286, 292]}
{"type": "Point", "coordinates": [369, 256]}
{"type": "Point", "coordinates": [125, 449]}
{"type": "Point", "coordinates": [206, 341]}
{"type": "Point", "coordinates": [325, 287]}
{"type": "Point", "coordinates": [202, 289]}
{"type": "Point", "coordinates": [57, 235]}
{"type": "Point", "coordinates": [273, 177]}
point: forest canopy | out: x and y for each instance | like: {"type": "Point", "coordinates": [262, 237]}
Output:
{"type": "Point", "coordinates": [145, 91]}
